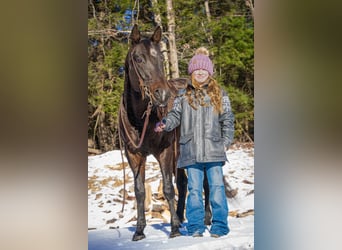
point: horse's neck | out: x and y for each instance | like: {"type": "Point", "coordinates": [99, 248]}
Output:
{"type": "Point", "coordinates": [135, 108]}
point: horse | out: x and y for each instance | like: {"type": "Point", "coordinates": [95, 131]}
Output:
{"type": "Point", "coordinates": [146, 98]}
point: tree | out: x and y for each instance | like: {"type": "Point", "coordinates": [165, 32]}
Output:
{"type": "Point", "coordinates": [172, 40]}
{"type": "Point", "coordinates": [163, 47]}
{"type": "Point", "coordinates": [250, 5]}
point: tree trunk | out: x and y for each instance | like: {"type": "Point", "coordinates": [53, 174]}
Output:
{"type": "Point", "coordinates": [105, 137]}
{"type": "Point", "coordinates": [163, 46]}
{"type": "Point", "coordinates": [207, 12]}
{"type": "Point", "coordinates": [172, 39]}
{"type": "Point", "coordinates": [249, 4]}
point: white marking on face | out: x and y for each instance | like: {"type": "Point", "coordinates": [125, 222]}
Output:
{"type": "Point", "coordinates": [153, 52]}
{"type": "Point", "coordinates": [201, 75]}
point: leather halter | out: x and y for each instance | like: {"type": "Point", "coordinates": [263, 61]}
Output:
{"type": "Point", "coordinates": [144, 89]}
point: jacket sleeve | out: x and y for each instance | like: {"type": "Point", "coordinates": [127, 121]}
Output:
{"type": "Point", "coordinates": [227, 121]}
{"type": "Point", "coordinates": [173, 118]}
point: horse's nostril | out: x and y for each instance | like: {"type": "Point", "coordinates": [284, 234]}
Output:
{"type": "Point", "coordinates": [161, 94]}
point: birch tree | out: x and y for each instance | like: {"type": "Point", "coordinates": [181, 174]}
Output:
{"type": "Point", "coordinates": [172, 39]}
{"type": "Point", "coordinates": [163, 47]}
{"type": "Point", "coordinates": [207, 12]}
{"type": "Point", "coordinates": [249, 4]}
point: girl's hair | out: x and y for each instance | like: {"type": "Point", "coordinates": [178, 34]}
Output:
{"type": "Point", "coordinates": [195, 95]}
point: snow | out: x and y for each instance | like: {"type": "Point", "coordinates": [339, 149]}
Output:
{"type": "Point", "coordinates": [109, 228]}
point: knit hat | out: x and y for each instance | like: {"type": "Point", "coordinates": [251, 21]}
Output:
{"type": "Point", "coordinates": [201, 60]}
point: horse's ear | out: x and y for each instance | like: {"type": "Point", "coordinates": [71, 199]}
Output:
{"type": "Point", "coordinates": [156, 37]}
{"type": "Point", "coordinates": [135, 34]}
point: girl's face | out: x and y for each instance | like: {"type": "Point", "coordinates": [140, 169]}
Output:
{"type": "Point", "coordinates": [201, 75]}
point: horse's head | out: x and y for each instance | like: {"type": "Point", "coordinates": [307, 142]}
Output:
{"type": "Point", "coordinates": [144, 67]}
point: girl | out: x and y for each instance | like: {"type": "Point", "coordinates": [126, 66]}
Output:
{"type": "Point", "coordinates": [204, 114]}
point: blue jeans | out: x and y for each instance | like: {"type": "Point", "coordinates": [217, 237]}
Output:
{"type": "Point", "coordinates": [217, 197]}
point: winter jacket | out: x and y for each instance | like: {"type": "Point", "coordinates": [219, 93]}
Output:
{"type": "Point", "coordinates": [204, 133]}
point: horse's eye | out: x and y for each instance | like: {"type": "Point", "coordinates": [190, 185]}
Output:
{"type": "Point", "coordinates": [138, 59]}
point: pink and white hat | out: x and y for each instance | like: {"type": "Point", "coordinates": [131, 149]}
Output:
{"type": "Point", "coordinates": [201, 61]}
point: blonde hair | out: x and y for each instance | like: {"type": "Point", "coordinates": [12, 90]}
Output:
{"type": "Point", "coordinates": [196, 95]}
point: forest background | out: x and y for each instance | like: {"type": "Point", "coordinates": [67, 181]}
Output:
{"type": "Point", "coordinates": [226, 28]}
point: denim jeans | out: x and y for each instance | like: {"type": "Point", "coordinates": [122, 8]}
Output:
{"type": "Point", "coordinates": [217, 197]}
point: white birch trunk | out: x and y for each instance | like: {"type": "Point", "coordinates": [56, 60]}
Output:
{"type": "Point", "coordinates": [172, 39]}
{"type": "Point", "coordinates": [207, 11]}
{"type": "Point", "coordinates": [249, 3]}
{"type": "Point", "coordinates": [163, 46]}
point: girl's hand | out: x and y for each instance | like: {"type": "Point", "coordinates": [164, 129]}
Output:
{"type": "Point", "coordinates": [159, 127]}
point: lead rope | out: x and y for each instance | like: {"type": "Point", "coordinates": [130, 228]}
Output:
{"type": "Point", "coordinates": [147, 112]}
{"type": "Point", "coordinates": [123, 172]}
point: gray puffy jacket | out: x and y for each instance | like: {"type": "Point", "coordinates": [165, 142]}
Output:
{"type": "Point", "coordinates": [204, 133]}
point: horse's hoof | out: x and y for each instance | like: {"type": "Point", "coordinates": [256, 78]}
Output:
{"type": "Point", "coordinates": [175, 234]}
{"type": "Point", "coordinates": [137, 237]}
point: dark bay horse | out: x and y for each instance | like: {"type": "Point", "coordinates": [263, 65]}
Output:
{"type": "Point", "coordinates": [146, 99]}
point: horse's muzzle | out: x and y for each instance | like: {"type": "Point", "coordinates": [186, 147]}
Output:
{"type": "Point", "coordinates": [162, 96]}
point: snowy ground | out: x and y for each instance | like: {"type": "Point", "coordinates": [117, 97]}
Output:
{"type": "Point", "coordinates": [109, 228]}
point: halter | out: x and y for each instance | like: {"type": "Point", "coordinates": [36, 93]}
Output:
{"type": "Point", "coordinates": [144, 89]}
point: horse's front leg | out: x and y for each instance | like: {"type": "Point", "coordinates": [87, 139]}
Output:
{"type": "Point", "coordinates": [166, 167]}
{"type": "Point", "coordinates": [137, 164]}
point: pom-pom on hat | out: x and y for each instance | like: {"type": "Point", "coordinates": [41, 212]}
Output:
{"type": "Point", "coordinates": [201, 60]}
